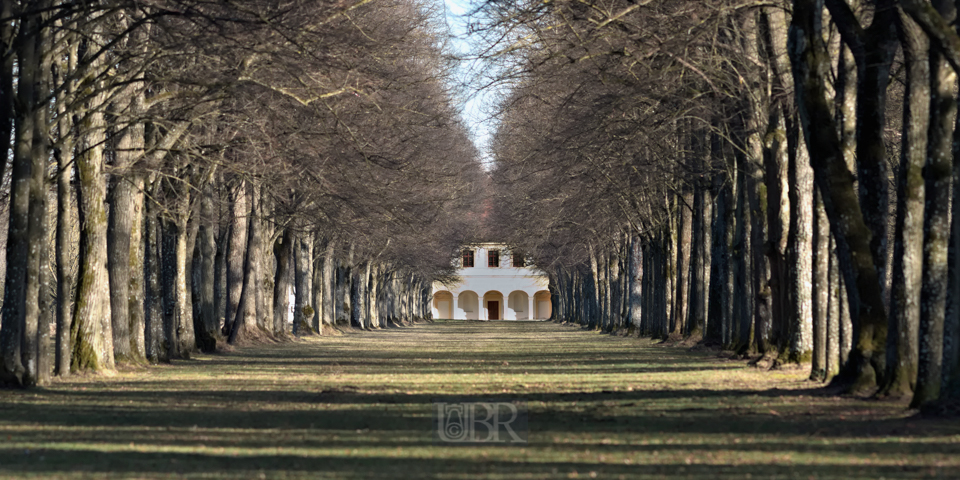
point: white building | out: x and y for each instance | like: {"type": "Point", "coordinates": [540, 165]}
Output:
{"type": "Point", "coordinates": [495, 285]}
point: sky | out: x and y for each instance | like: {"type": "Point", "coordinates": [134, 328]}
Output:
{"type": "Point", "coordinates": [473, 103]}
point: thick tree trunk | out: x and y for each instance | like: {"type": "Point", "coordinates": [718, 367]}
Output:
{"type": "Point", "coordinates": [743, 296]}
{"type": "Point", "coordinates": [713, 333]}
{"type": "Point", "coordinates": [220, 275]}
{"type": "Point", "coordinates": [375, 295]}
{"type": "Point", "coordinates": [243, 321]}
{"type": "Point", "coordinates": [67, 235]}
{"type": "Point", "coordinates": [684, 250]}
{"type": "Point", "coordinates": [68, 222]}
{"type": "Point", "coordinates": [304, 287]}
{"type": "Point", "coordinates": [951, 326]}
{"type": "Point", "coordinates": [119, 244]}
{"type": "Point", "coordinates": [156, 351]}
{"type": "Point", "coordinates": [776, 176]}
{"type": "Point", "coordinates": [47, 291]}
{"type": "Point", "coordinates": [35, 318]}
{"type": "Point", "coordinates": [207, 324]}
{"type": "Point", "coordinates": [169, 242]}
{"type": "Point", "coordinates": [637, 287]}
{"type": "Point", "coordinates": [91, 333]}
{"type": "Point", "coordinates": [697, 318]}
{"type": "Point", "coordinates": [13, 328]}
{"type": "Point", "coordinates": [257, 316]}
{"type": "Point", "coordinates": [811, 65]}
{"type": "Point", "coordinates": [800, 241]}
{"type": "Point", "coordinates": [328, 283]}
{"type": "Point", "coordinates": [356, 297]}
{"type": "Point", "coordinates": [908, 243]}
{"type": "Point", "coordinates": [236, 249]}
{"type": "Point", "coordinates": [283, 251]}
{"type": "Point", "coordinates": [938, 176]}
{"type": "Point", "coordinates": [122, 247]}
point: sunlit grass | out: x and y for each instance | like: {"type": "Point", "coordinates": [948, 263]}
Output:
{"type": "Point", "coordinates": [358, 406]}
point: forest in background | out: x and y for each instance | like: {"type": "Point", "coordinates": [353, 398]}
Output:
{"type": "Point", "coordinates": [776, 178]}
{"type": "Point", "coordinates": [175, 168]}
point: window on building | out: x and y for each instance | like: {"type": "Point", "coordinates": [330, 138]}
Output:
{"type": "Point", "coordinates": [467, 258]}
{"type": "Point", "coordinates": [493, 258]}
{"type": "Point", "coordinates": [518, 259]}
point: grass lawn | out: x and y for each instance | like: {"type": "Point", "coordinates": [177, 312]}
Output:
{"type": "Point", "coordinates": [359, 405]}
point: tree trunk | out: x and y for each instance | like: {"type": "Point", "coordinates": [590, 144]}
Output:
{"type": "Point", "coordinates": [156, 351]}
{"type": "Point", "coordinates": [833, 316]}
{"type": "Point", "coordinates": [304, 286]}
{"type": "Point", "coordinates": [208, 324]}
{"type": "Point", "coordinates": [811, 65]}
{"type": "Point", "coordinates": [13, 329]}
{"type": "Point", "coordinates": [68, 222]}
{"type": "Point", "coordinates": [908, 243]}
{"type": "Point", "coordinates": [719, 256]}
{"type": "Point", "coordinates": [637, 288]}
{"type": "Point", "coordinates": [684, 250]}
{"type": "Point", "coordinates": [259, 316]}
{"type": "Point", "coordinates": [91, 333]}
{"type": "Point", "coordinates": [821, 291]}
{"type": "Point", "coordinates": [242, 321]}
{"type": "Point", "coordinates": [938, 191]}
{"type": "Point", "coordinates": [121, 246]}
{"type": "Point", "coordinates": [800, 241]}
{"type": "Point", "coordinates": [283, 251]}
{"type": "Point", "coordinates": [356, 298]}
{"type": "Point", "coordinates": [697, 317]}
{"type": "Point", "coordinates": [169, 246]}
{"type": "Point", "coordinates": [236, 249]}
{"type": "Point", "coordinates": [329, 285]}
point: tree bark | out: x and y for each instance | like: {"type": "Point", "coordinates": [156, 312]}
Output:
{"type": "Point", "coordinates": [821, 291]}
{"type": "Point", "coordinates": [156, 351]}
{"type": "Point", "coordinates": [91, 330]}
{"type": "Point", "coordinates": [236, 249]}
{"type": "Point", "coordinates": [208, 324]}
{"type": "Point", "coordinates": [305, 303]}
{"type": "Point", "coordinates": [938, 177]}
{"type": "Point", "coordinates": [283, 251]}
{"type": "Point", "coordinates": [328, 285]}
{"type": "Point", "coordinates": [242, 320]}
{"type": "Point", "coordinates": [904, 317]}
{"type": "Point", "coordinates": [811, 65]}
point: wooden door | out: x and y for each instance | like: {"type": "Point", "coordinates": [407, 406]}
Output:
{"type": "Point", "coordinates": [493, 307]}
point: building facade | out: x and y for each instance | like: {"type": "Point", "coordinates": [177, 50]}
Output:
{"type": "Point", "coordinates": [496, 284]}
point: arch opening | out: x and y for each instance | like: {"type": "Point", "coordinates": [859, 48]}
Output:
{"type": "Point", "coordinates": [468, 307]}
{"type": "Point", "coordinates": [493, 305]}
{"type": "Point", "coordinates": [518, 306]}
{"type": "Point", "coordinates": [541, 305]}
{"type": "Point", "coordinates": [443, 305]}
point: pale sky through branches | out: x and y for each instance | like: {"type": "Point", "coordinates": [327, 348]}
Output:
{"type": "Point", "coordinates": [475, 103]}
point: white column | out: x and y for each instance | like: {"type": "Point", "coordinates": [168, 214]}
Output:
{"type": "Point", "coordinates": [531, 315]}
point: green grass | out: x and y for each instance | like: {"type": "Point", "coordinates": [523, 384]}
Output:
{"type": "Point", "coordinates": [358, 406]}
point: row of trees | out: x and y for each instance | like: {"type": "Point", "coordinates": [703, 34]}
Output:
{"type": "Point", "coordinates": [778, 178]}
{"type": "Point", "coordinates": [177, 168]}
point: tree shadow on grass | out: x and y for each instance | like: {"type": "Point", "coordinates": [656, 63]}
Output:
{"type": "Point", "coordinates": [192, 465]}
{"type": "Point", "coordinates": [283, 400]}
